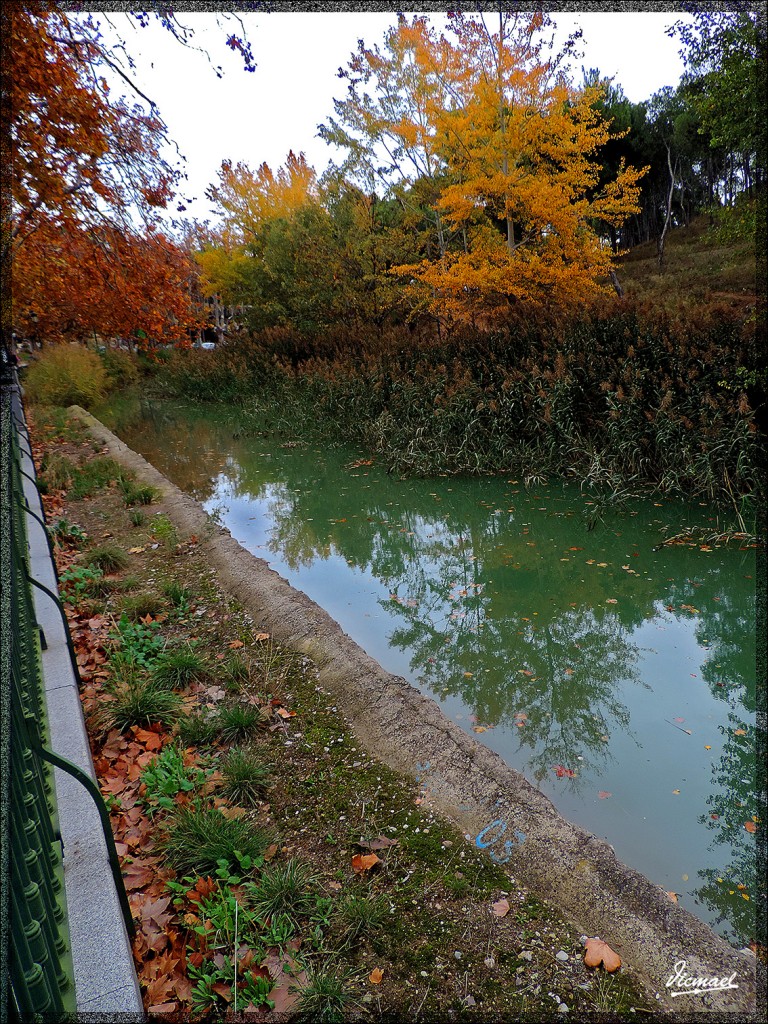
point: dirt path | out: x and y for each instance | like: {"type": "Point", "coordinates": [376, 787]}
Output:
{"type": "Point", "coordinates": [469, 783]}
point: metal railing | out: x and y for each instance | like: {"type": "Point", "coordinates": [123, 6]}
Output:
{"type": "Point", "coordinates": [40, 976]}
{"type": "Point", "coordinates": [40, 971]}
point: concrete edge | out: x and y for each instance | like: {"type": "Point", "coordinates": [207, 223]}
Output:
{"type": "Point", "coordinates": [498, 809]}
{"type": "Point", "coordinates": [105, 978]}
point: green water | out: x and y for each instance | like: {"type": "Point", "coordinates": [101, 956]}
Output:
{"type": "Point", "coordinates": [557, 646]}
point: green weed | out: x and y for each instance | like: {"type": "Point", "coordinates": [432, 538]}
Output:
{"type": "Point", "coordinates": [289, 889]}
{"type": "Point", "coordinates": [177, 668]}
{"type": "Point", "coordinates": [239, 721]}
{"type": "Point", "coordinates": [138, 702]}
{"type": "Point", "coordinates": [327, 995]}
{"type": "Point", "coordinates": [247, 778]}
{"type": "Point", "coordinates": [197, 839]}
{"type": "Point", "coordinates": [108, 558]}
{"type": "Point", "coordinates": [167, 776]}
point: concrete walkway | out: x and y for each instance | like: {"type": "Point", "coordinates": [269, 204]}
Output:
{"type": "Point", "coordinates": [105, 979]}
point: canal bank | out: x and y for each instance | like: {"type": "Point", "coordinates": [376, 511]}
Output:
{"type": "Point", "coordinates": [493, 804]}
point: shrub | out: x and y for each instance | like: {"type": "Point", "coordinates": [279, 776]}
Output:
{"type": "Point", "coordinates": [122, 369]}
{"type": "Point", "coordinates": [67, 375]}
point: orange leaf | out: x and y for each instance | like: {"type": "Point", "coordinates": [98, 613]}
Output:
{"type": "Point", "coordinates": [375, 976]}
{"type": "Point", "coordinates": [236, 643]}
{"type": "Point", "coordinates": [261, 637]}
{"type": "Point", "coordinates": [599, 952]}
{"type": "Point", "coordinates": [750, 826]}
{"type": "Point", "coordinates": [501, 908]}
{"type": "Point", "coordinates": [364, 862]}
{"type": "Point", "coordinates": [672, 896]}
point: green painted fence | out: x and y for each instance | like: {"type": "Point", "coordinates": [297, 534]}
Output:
{"type": "Point", "coordinates": [40, 979]}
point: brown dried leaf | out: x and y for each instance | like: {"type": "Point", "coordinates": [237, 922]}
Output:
{"type": "Point", "coordinates": [501, 908]}
{"type": "Point", "coordinates": [364, 862]}
{"type": "Point", "coordinates": [375, 976]}
{"type": "Point", "coordinates": [599, 952]}
{"type": "Point", "coordinates": [379, 843]}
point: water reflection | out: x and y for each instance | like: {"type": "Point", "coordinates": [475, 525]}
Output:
{"type": "Point", "coordinates": [630, 667]}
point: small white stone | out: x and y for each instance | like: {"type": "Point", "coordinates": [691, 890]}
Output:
{"type": "Point", "coordinates": [561, 955]}
{"type": "Point", "coordinates": [424, 974]}
{"type": "Point", "coordinates": [490, 962]}
{"type": "Point", "coordinates": [457, 954]}
{"type": "Point", "coordinates": [562, 1008]}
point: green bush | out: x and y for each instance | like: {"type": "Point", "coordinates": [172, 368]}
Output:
{"type": "Point", "coordinates": [121, 367]}
{"type": "Point", "coordinates": [67, 375]}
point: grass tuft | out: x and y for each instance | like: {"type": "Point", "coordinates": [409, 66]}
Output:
{"type": "Point", "coordinates": [327, 996]}
{"type": "Point", "coordinates": [247, 778]}
{"type": "Point", "coordinates": [197, 839]}
{"type": "Point", "coordinates": [288, 889]}
{"type": "Point", "coordinates": [139, 701]}
{"type": "Point", "coordinates": [108, 558]}
{"type": "Point", "coordinates": [175, 669]}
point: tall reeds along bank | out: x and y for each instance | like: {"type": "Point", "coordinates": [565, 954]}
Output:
{"type": "Point", "coordinates": [624, 396]}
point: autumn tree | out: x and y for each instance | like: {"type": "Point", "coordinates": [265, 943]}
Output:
{"type": "Point", "coordinates": [522, 145]}
{"type": "Point", "coordinates": [384, 128]}
{"type": "Point", "coordinates": [78, 162]}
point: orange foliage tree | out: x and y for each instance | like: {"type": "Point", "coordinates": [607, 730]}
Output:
{"type": "Point", "coordinates": [86, 180]}
{"type": "Point", "coordinates": [250, 202]}
{"type": "Point", "coordinates": [515, 148]}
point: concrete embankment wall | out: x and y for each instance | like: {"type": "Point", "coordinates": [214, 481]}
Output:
{"type": "Point", "coordinates": [470, 783]}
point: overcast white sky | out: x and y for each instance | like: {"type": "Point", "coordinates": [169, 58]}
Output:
{"type": "Point", "coordinates": [260, 116]}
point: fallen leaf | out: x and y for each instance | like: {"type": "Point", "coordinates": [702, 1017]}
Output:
{"type": "Point", "coordinates": [739, 732]}
{"type": "Point", "coordinates": [285, 714]}
{"type": "Point", "coordinates": [261, 637]}
{"type": "Point", "coordinates": [562, 772]}
{"type": "Point", "coordinates": [380, 843]}
{"type": "Point", "coordinates": [501, 908]}
{"type": "Point", "coordinates": [672, 896]}
{"type": "Point", "coordinates": [235, 644]}
{"type": "Point", "coordinates": [270, 852]}
{"type": "Point", "coordinates": [375, 976]}
{"type": "Point", "coordinates": [750, 826]}
{"type": "Point", "coordinates": [599, 952]}
{"type": "Point", "coordinates": [135, 551]}
{"type": "Point", "coordinates": [604, 794]}
{"type": "Point", "coordinates": [479, 728]}
{"type": "Point", "coordinates": [364, 862]}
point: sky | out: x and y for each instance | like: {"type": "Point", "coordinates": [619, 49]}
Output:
{"type": "Point", "coordinates": [260, 116]}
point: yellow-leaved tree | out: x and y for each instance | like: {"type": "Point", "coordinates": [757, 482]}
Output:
{"type": "Point", "coordinates": [518, 147]}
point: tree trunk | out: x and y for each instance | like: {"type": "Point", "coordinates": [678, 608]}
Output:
{"type": "Point", "coordinates": [663, 237]}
